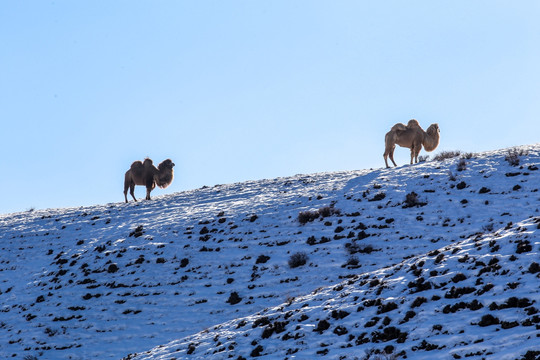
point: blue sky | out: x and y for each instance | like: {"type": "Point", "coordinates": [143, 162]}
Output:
{"type": "Point", "coordinates": [245, 90]}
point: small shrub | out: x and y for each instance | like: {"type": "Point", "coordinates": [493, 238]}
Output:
{"type": "Point", "coordinates": [411, 200]}
{"type": "Point", "coordinates": [298, 259]}
{"type": "Point", "coordinates": [513, 156]}
{"type": "Point", "coordinates": [378, 197]}
{"type": "Point", "coordinates": [308, 216]}
{"type": "Point", "coordinates": [352, 262]}
{"type": "Point", "coordinates": [423, 158]}
{"type": "Point", "coordinates": [139, 231]}
{"type": "Point", "coordinates": [444, 155]}
{"type": "Point", "coordinates": [329, 211]}
{"type": "Point", "coordinates": [354, 248]}
{"type": "Point", "coordinates": [462, 165]}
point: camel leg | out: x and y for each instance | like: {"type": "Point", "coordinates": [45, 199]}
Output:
{"type": "Point", "coordinates": [126, 186]}
{"type": "Point", "coordinates": [132, 191]}
{"type": "Point", "coordinates": [389, 152]}
{"type": "Point", "coordinates": [413, 150]}
{"type": "Point", "coordinates": [392, 155]}
{"type": "Point", "coordinates": [417, 150]}
{"type": "Point", "coordinates": [148, 189]}
{"type": "Point", "coordinates": [387, 148]}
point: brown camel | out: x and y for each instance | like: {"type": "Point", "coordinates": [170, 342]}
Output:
{"type": "Point", "coordinates": [145, 173]}
{"type": "Point", "coordinates": [411, 136]}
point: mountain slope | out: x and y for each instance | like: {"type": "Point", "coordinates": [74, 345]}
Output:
{"type": "Point", "coordinates": [106, 281]}
{"type": "Point", "coordinates": [476, 298]}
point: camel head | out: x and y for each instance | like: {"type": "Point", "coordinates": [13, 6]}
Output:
{"type": "Point", "coordinates": [165, 174]}
{"type": "Point", "coordinates": [431, 140]}
{"type": "Point", "coordinates": [433, 129]}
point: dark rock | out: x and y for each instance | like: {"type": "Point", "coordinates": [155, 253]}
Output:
{"type": "Point", "coordinates": [262, 259]}
{"type": "Point", "coordinates": [322, 326]}
{"type": "Point", "coordinates": [184, 262]}
{"type": "Point", "coordinates": [338, 315]}
{"type": "Point", "coordinates": [112, 268]}
{"type": "Point", "coordinates": [488, 320]}
{"type": "Point", "coordinates": [388, 334]}
{"type": "Point", "coordinates": [455, 293]}
{"type": "Point", "coordinates": [340, 330]}
{"type": "Point", "coordinates": [534, 268]}
{"type": "Point", "coordinates": [257, 351]}
{"type": "Point", "coordinates": [462, 185]}
{"type": "Point", "coordinates": [234, 298]}
{"type": "Point", "coordinates": [384, 308]}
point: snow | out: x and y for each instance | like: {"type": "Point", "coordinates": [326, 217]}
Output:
{"type": "Point", "coordinates": [205, 273]}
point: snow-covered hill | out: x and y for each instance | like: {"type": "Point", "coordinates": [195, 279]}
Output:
{"type": "Point", "coordinates": [425, 261]}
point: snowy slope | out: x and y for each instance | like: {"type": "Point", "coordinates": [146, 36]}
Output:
{"type": "Point", "coordinates": [210, 267]}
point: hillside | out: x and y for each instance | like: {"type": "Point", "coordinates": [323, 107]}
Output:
{"type": "Point", "coordinates": [448, 272]}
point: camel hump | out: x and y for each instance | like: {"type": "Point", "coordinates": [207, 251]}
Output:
{"type": "Point", "coordinates": [148, 162]}
{"type": "Point", "coordinates": [399, 127]}
{"type": "Point", "coordinates": [137, 165]}
{"type": "Point", "coordinates": [413, 123]}
{"type": "Point", "coordinates": [137, 168]}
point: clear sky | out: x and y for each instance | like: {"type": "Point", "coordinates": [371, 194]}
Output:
{"type": "Point", "coordinates": [246, 90]}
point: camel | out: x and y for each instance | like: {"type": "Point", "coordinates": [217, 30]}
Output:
{"type": "Point", "coordinates": [411, 136]}
{"type": "Point", "coordinates": [145, 173]}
